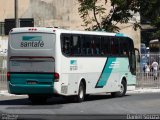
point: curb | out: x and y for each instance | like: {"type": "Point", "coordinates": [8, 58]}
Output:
{"type": "Point", "coordinates": [145, 90]}
{"type": "Point", "coordinates": [136, 91]}
{"type": "Point", "coordinates": [5, 93]}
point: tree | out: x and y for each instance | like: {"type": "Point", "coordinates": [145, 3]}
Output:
{"type": "Point", "coordinates": [95, 16]}
{"type": "Point", "coordinates": [150, 11]}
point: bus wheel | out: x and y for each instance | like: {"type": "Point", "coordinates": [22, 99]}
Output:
{"type": "Point", "coordinates": [37, 99]}
{"type": "Point", "coordinates": [81, 93]}
{"type": "Point", "coordinates": [122, 92]}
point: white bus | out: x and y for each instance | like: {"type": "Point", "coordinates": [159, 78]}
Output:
{"type": "Point", "coordinates": [154, 47]}
{"type": "Point", "coordinates": [50, 61]}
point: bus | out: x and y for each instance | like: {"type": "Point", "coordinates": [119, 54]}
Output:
{"type": "Point", "coordinates": [144, 58]}
{"type": "Point", "coordinates": [143, 48]}
{"type": "Point", "coordinates": [44, 62]}
{"type": "Point", "coordinates": [154, 47]}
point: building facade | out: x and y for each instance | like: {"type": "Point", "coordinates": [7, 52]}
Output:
{"type": "Point", "coordinates": [59, 13]}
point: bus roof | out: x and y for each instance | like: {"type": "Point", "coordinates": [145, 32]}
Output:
{"type": "Point", "coordinates": [152, 41]}
{"type": "Point", "coordinates": [58, 30]}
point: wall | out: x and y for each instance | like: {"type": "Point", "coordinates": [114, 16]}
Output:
{"type": "Point", "coordinates": [61, 13]}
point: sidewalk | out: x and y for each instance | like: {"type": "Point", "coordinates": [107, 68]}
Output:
{"type": "Point", "coordinates": [5, 93]}
{"type": "Point", "coordinates": [145, 90]}
{"type": "Point", "coordinates": [136, 91]}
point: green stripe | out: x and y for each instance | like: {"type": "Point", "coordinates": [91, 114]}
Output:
{"type": "Point", "coordinates": [32, 38]}
{"type": "Point", "coordinates": [107, 70]}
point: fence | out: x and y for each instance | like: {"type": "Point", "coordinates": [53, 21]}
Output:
{"type": "Point", "coordinates": [146, 75]}
{"type": "Point", "coordinates": [147, 80]}
{"type": "Point", "coordinates": [143, 79]}
{"type": "Point", "coordinates": [3, 72]}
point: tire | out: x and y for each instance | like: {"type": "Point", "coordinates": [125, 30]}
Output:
{"type": "Point", "coordinates": [81, 93]}
{"type": "Point", "coordinates": [122, 91]}
{"type": "Point", "coordinates": [37, 99]}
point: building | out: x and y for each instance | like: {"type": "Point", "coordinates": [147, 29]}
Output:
{"type": "Point", "coordinates": [59, 13]}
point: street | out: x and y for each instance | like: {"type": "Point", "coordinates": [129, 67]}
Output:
{"type": "Point", "coordinates": [95, 107]}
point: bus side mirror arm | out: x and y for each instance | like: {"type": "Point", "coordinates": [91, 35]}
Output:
{"type": "Point", "coordinates": [138, 56]}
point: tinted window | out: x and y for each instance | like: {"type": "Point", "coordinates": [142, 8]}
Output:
{"type": "Point", "coordinates": [66, 44]}
{"type": "Point", "coordinates": [96, 41]}
{"type": "Point", "coordinates": [114, 46]}
{"type": "Point", "coordinates": [87, 45]}
{"type": "Point", "coordinates": [105, 46]}
{"type": "Point", "coordinates": [75, 45]}
{"type": "Point", "coordinates": [92, 45]}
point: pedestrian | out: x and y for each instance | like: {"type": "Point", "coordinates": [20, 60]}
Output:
{"type": "Point", "coordinates": [147, 69]}
{"type": "Point", "coordinates": [155, 69]}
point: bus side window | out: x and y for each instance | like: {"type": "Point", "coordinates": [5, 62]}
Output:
{"type": "Point", "coordinates": [114, 46]}
{"type": "Point", "coordinates": [66, 44]}
{"type": "Point", "coordinates": [105, 46]}
{"type": "Point", "coordinates": [75, 45]}
{"type": "Point", "coordinates": [123, 47]}
{"type": "Point", "coordinates": [87, 45]}
{"type": "Point", "coordinates": [96, 45]}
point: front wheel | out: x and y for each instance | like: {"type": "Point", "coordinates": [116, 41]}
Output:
{"type": "Point", "coordinates": [122, 92]}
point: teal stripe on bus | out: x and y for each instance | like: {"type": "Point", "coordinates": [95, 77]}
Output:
{"type": "Point", "coordinates": [32, 38]}
{"type": "Point", "coordinates": [107, 70]}
{"type": "Point", "coordinates": [119, 35]}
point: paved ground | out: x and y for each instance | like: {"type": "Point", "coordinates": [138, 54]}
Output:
{"type": "Point", "coordinates": [95, 107]}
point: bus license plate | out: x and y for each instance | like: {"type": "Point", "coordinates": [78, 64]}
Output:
{"type": "Point", "coordinates": [31, 82]}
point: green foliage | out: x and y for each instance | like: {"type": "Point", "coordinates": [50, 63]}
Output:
{"type": "Point", "coordinates": [95, 16]}
{"type": "Point", "coordinates": [150, 10]}
{"type": "Point", "coordinates": [157, 34]}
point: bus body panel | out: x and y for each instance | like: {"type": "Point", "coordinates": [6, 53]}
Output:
{"type": "Point", "coordinates": [72, 74]}
{"type": "Point", "coordinates": [21, 83]}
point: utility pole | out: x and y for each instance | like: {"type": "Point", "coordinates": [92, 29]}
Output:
{"type": "Point", "coordinates": [16, 12]}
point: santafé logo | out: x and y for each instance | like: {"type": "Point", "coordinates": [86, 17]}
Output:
{"type": "Point", "coordinates": [32, 41]}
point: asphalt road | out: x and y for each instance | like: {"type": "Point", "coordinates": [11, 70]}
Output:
{"type": "Point", "coordinates": [95, 107]}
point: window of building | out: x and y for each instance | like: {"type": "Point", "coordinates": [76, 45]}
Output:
{"type": "Point", "coordinates": [2, 28]}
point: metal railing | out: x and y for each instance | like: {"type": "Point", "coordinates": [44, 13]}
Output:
{"type": "Point", "coordinates": [148, 78]}
{"type": "Point", "coordinates": [3, 72]}
{"type": "Point", "coordinates": [143, 79]}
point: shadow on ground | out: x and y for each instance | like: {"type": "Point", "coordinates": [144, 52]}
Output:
{"type": "Point", "coordinates": [56, 100]}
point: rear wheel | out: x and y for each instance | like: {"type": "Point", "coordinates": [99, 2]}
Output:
{"type": "Point", "coordinates": [122, 92]}
{"type": "Point", "coordinates": [37, 99]}
{"type": "Point", "coordinates": [81, 93]}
